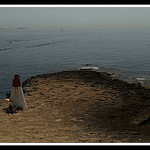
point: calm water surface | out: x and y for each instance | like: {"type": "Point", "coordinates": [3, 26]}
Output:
{"type": "Point", "coordinates": [30, 52]}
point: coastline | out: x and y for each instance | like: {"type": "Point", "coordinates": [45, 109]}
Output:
{"type": "Point", "coordinates": [78, 106]}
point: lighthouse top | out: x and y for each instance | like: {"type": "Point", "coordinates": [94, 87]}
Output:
{"type": "Point", "coordinates": [16, 81]}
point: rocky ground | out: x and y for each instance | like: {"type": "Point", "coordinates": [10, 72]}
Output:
{"type": "Point", "coordinates": [79, 106]}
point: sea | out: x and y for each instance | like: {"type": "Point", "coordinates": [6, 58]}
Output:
{"type": "Point", "coordinates": [125, 53]}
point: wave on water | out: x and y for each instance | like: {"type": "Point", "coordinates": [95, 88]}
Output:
{"type": "Point", "coordinates": [116, 74]}
{"type": "Point", "coordinates": [4, 49]}
{"type": "Point", "coordinates": [139, 80]}
{"type": "Point", "coordinates": [45, 44]}
{"type": "Point", "coordinates": [39, 45]}
{"type": "Point", "coordinates": [89, 68]}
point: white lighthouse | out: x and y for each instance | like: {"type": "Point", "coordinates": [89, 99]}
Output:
{"type": "Point", "coordinates": [17, 96]}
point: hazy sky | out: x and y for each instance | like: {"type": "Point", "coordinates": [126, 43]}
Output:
{"type": "Point", "coordinates": [12, 17]}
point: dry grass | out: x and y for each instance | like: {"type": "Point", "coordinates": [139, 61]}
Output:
{"type": "Point", "coordinates": [78, 107]}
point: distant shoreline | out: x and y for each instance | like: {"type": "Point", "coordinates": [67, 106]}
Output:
{"type": "Point", "coordinates": [111, 73]}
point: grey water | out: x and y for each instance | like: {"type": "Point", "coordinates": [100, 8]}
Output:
{"type": "Point", "coordinates": [30, 52]}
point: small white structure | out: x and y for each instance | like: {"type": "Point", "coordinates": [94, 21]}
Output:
{"type": "Point", "coordinates": [17, 96]}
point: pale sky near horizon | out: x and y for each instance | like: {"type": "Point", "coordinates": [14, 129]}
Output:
{"type": "Point", "coordinates": [45, 17]}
